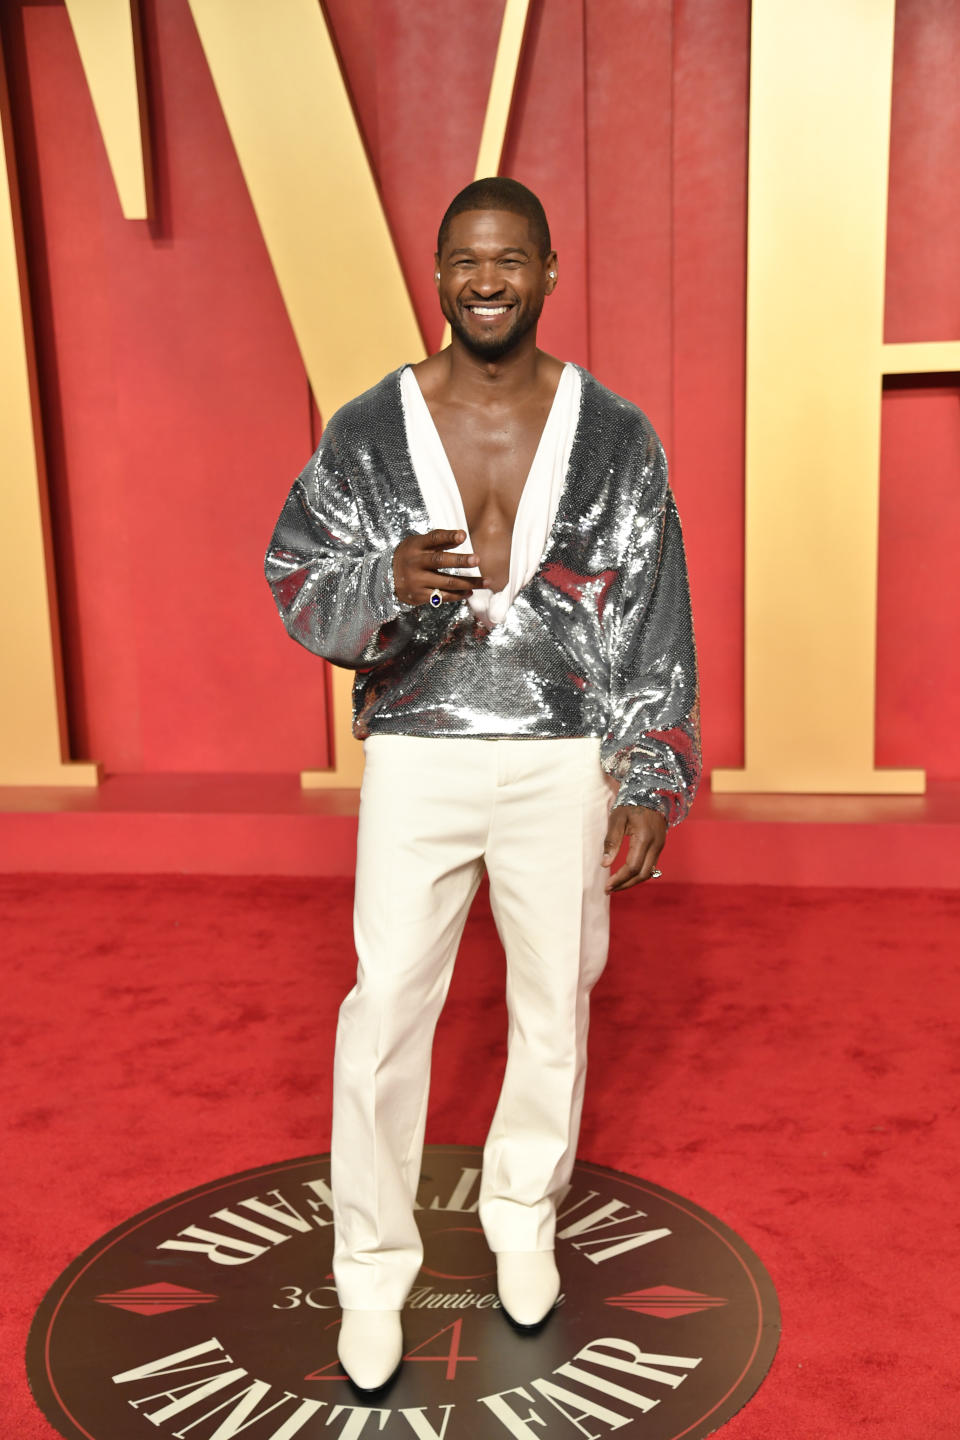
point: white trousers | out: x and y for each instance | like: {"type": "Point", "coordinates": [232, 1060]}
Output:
{"type": "Point", "coordinates": [433, 812]}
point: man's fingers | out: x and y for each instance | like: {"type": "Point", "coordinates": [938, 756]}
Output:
{"type": "Point", "coordinates": [614, 838]}
{"type": "Point", "coordinates": [448, 587]}
{"type": "Point", "coordinates": [444, 560]}
{"type": "Point", "coordinates": [421, 564]}
{"type": "Point", "coordinates": [434, 545]}
{"type": "Point", "coordinates": [631, 871]}
{"type": "Point", "coordinates": [639, 865]}
{"type": "Point", "coordinates": [646, 831]}
{"type": "Point", "coordinates": [625, 879]}
{"type": "Point", "coordinates": [451, 587]}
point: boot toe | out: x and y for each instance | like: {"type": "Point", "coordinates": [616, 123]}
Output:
{"type": "Point", "coordinates": [528, 1284]}
{"type": "Point", "coordinates": [370, 1346]}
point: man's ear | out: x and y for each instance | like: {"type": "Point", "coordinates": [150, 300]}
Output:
{"type": "Point", "coordinates": [552, 271]}
{"type": "Point", "coordinates": [436, 268]}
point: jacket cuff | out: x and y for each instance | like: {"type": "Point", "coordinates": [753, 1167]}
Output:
{"type": "Point", "coordinates": [667, 805]}
{"type": "Point", "coordinates": [382, 589]}
{"type": "Point", "coordinates": [384, 584]}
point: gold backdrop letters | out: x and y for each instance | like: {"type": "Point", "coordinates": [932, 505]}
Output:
{"type": "Point", "coordinates": [820, 82]}
{"type": "Point", "coordinates": [32, 718]}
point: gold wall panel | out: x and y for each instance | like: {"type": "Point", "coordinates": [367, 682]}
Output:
{"type": "Point", "coordinates": [32, 728]}
{"type": "Point", "coordinates": [108, 38]}
{"type": "Point", "coordinates": [289, 115]}
{"type": "Point", "coordinates": [820, 87]}
{"type": "Point", "coordinates": [918, 358]}
{"type": "Point", "coordinates": [499, 99]}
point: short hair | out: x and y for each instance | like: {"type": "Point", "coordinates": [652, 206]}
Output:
{"type": "Point", "coordinates": [499, 192]}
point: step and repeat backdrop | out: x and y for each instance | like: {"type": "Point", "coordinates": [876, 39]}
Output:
{"type": "Point", "coordinates": [219, 223]}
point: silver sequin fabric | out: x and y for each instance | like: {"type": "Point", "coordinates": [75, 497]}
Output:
{"type": "Point", "coordinates": [599, 642]}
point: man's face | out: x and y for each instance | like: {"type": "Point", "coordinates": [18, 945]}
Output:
{"type": "Point", "coordinates": [493, 280]}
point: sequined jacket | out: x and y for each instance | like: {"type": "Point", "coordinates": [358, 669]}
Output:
{"type": "Point", "coordinates": [599, 642]}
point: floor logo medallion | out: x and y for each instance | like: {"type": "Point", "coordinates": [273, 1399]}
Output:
{"type": "Point", "coordinates": [213, 1315]}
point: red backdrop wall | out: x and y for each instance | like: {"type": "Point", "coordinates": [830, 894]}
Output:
{"type": "Point", "coordinates": [177, 411]}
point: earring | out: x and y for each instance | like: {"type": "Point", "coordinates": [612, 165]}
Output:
{"type": "Point", "coordinates": [553, 275]}
{"type": "Point", "coordinates": [437, 276]}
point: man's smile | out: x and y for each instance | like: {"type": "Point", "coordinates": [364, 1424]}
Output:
{"type": "Point", "coordinates": [487, 311]}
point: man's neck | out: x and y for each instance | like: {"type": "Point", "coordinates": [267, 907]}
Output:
{"type": "Point", "coordinates": [471, 378]}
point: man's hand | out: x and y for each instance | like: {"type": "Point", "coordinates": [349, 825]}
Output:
{"type": "Point", "coordinates": [419, 562]}
{"type": "Point", "coordinates": [645, 832]}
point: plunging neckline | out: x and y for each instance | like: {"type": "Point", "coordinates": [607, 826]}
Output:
{"type": "Point", "coordinates": [430, 435]}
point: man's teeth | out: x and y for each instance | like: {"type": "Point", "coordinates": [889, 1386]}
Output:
{"type": "Point", "coordinates": [489, 309]}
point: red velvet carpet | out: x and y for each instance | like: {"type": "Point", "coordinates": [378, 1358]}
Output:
{"type": "Point", "coordinates": [789, 1059]}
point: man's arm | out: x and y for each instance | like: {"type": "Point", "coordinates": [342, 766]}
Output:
{"type": "Point", "coordinates": [335, 593]}
{"type": "Point", "coordinates": [653, 741]}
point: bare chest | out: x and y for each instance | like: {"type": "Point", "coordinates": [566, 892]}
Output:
{"type": "Point", "coordinates": [491, 460]}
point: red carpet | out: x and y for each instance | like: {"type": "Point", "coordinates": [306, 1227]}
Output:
{"type": "Point", "coordinates": [787, 1058]}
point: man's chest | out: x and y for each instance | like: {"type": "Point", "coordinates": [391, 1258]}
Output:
{"type": "Point", "coordinates": [490, 458]}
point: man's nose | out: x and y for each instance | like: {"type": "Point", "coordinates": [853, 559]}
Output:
{"type": "Point", "coordinates": [487, 280]}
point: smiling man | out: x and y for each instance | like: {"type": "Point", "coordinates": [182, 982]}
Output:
{"type": "Point", "coordinates": [489, 540]}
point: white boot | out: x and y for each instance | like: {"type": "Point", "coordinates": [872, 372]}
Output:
{"type": "Point", "coordinates": [370, 1346]}
{"type": "Point", "coordinates": [528, 1284]}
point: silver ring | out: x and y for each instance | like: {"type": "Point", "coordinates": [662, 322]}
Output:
{"type": "Point", "coordinates": [655, 874]}
{"type": "Point", "coordinates": [435, 598]}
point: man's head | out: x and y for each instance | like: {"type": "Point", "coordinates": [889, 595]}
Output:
{"type": "Point", "coordinates": [494, 265]}
{"type": "Point", "coordinates": [499, 192]}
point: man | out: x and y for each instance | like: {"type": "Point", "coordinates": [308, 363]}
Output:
{"type": "Point", "coordinates": [488, 538]}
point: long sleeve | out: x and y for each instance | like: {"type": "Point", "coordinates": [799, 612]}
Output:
{"type": "Point", "coordinates": [599, 642]}
{"type": "Point", "coordinates": [652, 745]}
{"type": "Point", "coordinates": [333, 585]}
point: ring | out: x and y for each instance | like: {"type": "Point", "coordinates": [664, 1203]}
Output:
{"type": "Point", "coordinates": [435, 598]}
{"type": "Point", "coordinates": [655, 874]}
